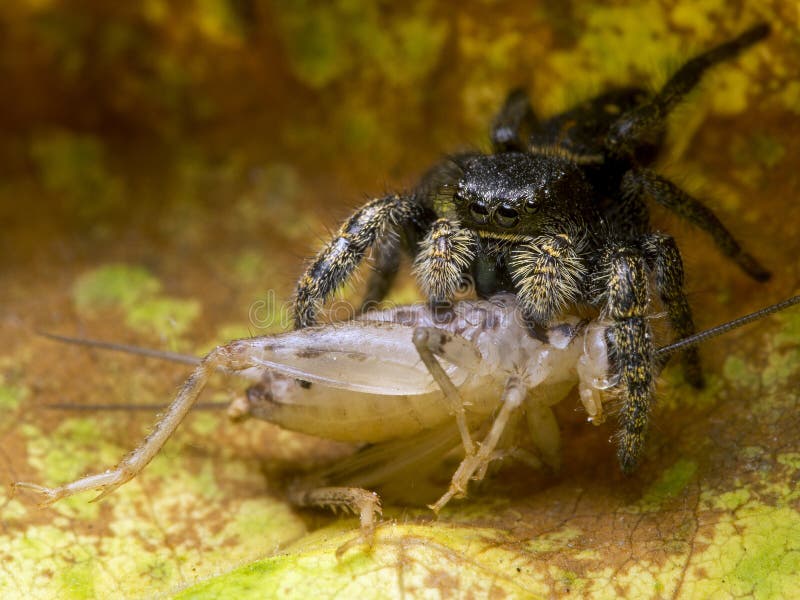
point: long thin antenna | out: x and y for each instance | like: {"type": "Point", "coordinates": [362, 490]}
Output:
{"type": "Point", "coordinates": [186, 359]}
{"type": "Point", "coordinates": [702, 336]}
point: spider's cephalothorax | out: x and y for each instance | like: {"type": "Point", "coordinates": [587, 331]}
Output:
{"type": "Point", "coordinates": [556, 214]}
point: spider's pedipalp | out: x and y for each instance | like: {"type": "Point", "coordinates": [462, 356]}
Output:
{"type": "Point", "coordinates": [548, 272]}
{"type": "Point", "coordinates": [446, 252]}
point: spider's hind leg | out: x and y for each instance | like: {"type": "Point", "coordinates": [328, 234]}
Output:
{"type": "Point", "coordinates": [514, 123]}
{"type": "Point", "coordinates": [639, 183]}
{"type": "Point", "coordinates": [645, 124]}
{"type": "Point", "coordinates": [664, 260]}
{"type": "Point", "coordinates": [631, 348]}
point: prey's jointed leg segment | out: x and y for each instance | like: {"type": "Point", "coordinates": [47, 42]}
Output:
{"type": "Point", "coordinates": [475, 464]}
{"type": "Point", "coordinates": [233, 357]}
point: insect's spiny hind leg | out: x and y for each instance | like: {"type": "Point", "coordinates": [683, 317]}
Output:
{"type": "Point", "coordinates": [631, 349]}
{"type": "Point", "coordinates": [364, 503]}
{"type": "Point", "coordinates": [646, 123]}
{"type": "Point", "coordinates": [340, 257]}
{"type": "Point", "coordinates": [665, 260]}
{"type": "Point", "coordinates": [231, 357]}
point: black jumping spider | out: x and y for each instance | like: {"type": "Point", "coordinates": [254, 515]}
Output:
{"type": "Point", "coordinates": [557, 214]}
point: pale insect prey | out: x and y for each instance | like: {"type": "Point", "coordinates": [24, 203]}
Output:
{"type": "Point", "coordinates": [395, 378]}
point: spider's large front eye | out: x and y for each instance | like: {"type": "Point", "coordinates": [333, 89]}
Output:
{"type": "Point", "coordinates": [506, 216]}
{"type": "Point", "coordinates": [479, 212]}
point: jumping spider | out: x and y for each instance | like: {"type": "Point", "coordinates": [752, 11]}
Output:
{"type": "Point", "coordinates": [556, 214]}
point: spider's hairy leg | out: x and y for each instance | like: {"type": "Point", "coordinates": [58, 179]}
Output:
{"type": "Point", "coordinates": [664, 260]}
{"type": "Point", "coordinates": [631, 348]}
{"type": "Point", "coordinates": [514, 123]}
{"type": "Point", "coordinates": [548, 274]}
{"type": "Point", "coordinates": [445, 253]}
{"type": "Point", "coordinates": [474, 466]}
{"type": "Point", "coordinates": [340, 257]}
{"type": "Point", "coordinates": [644, 182]}
{"type": "Point", "coordinates": [645, 123]}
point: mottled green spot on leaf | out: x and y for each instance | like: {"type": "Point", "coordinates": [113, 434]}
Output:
{"type": "Point", "coordinates": [115, 285]}
{"type": "Point", "coordinates": [11, 396]}
{"type": "Point", "coordinates": [671, 483]}
{"type": "Point", "coordinates": [163, 316]}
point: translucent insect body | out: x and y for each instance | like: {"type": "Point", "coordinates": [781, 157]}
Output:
{"type": "Point", "coordinates": [397, 378]}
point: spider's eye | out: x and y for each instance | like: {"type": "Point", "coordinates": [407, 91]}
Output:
{"type": "Point", "coordinates": [531, 206]}
{"type": "Point", "coordinates": [479, 212]}
{"type": "Point", "coordinates": [506, 216]}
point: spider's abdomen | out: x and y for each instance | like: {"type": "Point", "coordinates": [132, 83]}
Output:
{"type": "Point", "coordinates": [582, 129]}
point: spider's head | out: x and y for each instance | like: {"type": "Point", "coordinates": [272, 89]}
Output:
{"type": "Point", "coordinates": [515, 193]}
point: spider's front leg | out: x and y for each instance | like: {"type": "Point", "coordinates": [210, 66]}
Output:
{"type": "Point", "coordinates": [630, 345]}
{"type": "Point", "coordinates": [548, 273]}
{"type": "Point", "coordinates": [340, 257]}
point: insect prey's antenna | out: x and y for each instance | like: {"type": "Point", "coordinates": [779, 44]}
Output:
{"type": "Point", "coordinates": [697, 338]}
{"type": "Point", "coordinates": [186, 359]}
{"type": "Point", "coordinates": [177, 357]}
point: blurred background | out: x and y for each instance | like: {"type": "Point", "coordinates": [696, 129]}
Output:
{"type": "Point", "coordinates": [166, 165]}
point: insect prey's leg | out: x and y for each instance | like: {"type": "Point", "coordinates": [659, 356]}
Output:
{"type": "Point", "coordinates": [366, 504]}
{"type": "Point", "coordinates": [431, 342]}
{"type": "Point", "coordinates": [646, 123]}
{"type": "Point", "coordinates": [631, 348]}
{"type": "Point", "coordinates": [513, 124]}
{"type": "Point", "coordinates": [232, 357]}
{"type": "Point", "coordinates": [644, 182]}
{"type": "Point", "coordinates": [547, 272]}
{"type": "Point", "coordinates": [665, 260]}
{"type": "Point", "coordinates": [445, 253]}
{"type": "Point", "coordinates": [340, 257]}
{"type": "Point", "coordinates": [544, 431]}
{"type": "Point", "coordinates": [513, 397]}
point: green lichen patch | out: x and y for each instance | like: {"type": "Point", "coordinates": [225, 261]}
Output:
{"type": "Point", "coordinates": [116, 285]}
{"type": "Point", "coordinates": [672, 482]}
{"type": "Point", "coordinates": [163, 316]}
{"type": "Point", "coordinates": [11, 396]}
{"type": "Point", "coordinates": [135, 291]}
